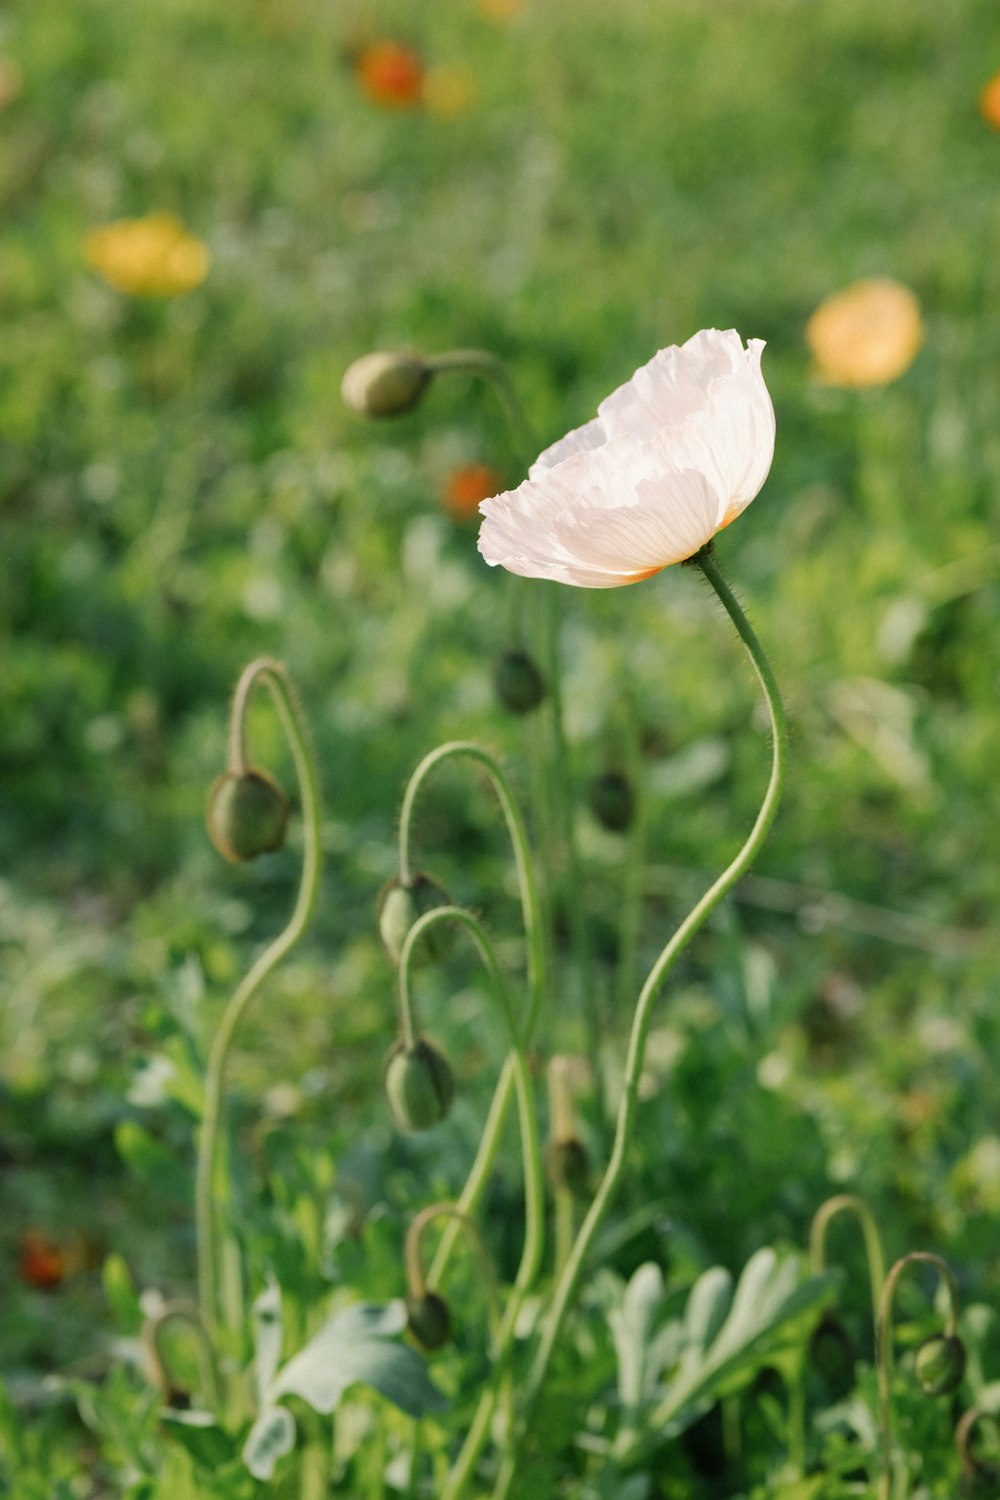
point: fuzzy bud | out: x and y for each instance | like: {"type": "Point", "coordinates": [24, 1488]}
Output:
{"type": "Point", "coordinates": [428, 1320]}
{"type": "Point", "coordinates": [940, 1364]}
{"type": "Point", "coordinates": [419, 1084]}
{"type": "Point", "coordinates": [401, 903]}
{"type": "Point", "coordinates": [612, 801]}
{"type": "Point", "coordinates": [567, 1166]}
{"type": "Point", "coordinates": [387, 383]}
{"type": "Point", "coordinates": [247, 814]}
{"type": "Point", "coordinates": [519, 684]}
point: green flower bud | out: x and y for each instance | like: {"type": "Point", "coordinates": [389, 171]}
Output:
{"type": "Point", "coordinates": [419, 1084]}
{"type": "Point", "coordinates": [567, 1166]}
{"type": "Point", "coordinates": [399, 906]}
{"type": "Point", "coordinates": [247, 814]}
{"type": "Point", "coordinates": [612, 801]}
{"type": "Point", "coordinates": [385, 384]}
{"type": "Point", "coordinates": [940, 1364]}
{"type": "Point", "coordinates": [519, 684]}
{"type": "Point", "coordinates": [428, 1320]}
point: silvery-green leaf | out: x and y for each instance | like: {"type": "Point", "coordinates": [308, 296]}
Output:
{"type": "Point", "coordinates": [356, 1345]}
{"type": "Point", "coordinates": [267, 1328]}
{"type": "Point", "coordinates": [270, 1438]}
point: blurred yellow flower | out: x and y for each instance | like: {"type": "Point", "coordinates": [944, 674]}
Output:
{"type": "Point", "coordinates": [154, 256]}
{"type": "Point", "coordinates": [449, 91]}
{"type": "Point", "coordinates": [10, 81]}
{"type": "Point", "coordinates": [499, 10]}
{"type": "Point", "coordinates": [989, 102]}
{"type": "Point", "coordinates": [866, 335]}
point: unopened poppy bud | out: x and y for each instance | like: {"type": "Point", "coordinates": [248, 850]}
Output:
{"type": "Point", "coordinates": [401, 903]}
{"type": "Point", "coordinates": [428, 1320]}
{"type": "Point", "coordinates": [567, 1166]}
{"type": "Point", "coordinates": [385, 384]}
{"type": "Point", "coordinates": [612, 801]}
{"type": "Point", "coordinates": [940, 1364]}
{"type": "Point", "coordinates": [247, 814]}
{"type": "Point", "coordinates": [419, 1084]}
{"type": "Point", "coordinates": [519, 684]}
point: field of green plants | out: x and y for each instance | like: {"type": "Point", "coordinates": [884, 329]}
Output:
{"type": "Point", "coordinates": [209, 212]}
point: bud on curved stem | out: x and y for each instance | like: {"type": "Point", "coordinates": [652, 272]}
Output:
{"type": "Point", "coordinates": [386, 383]}
{"type": "Point", "coordinates": [827, 1212]}
{"type": "Point", "coordinates": [152, 1343]}
{"type": "Point", "coordinates": [427, 1309]}
{"type": "Point", "coordinates": [883, 1346]}
{"type": "Point", "coordinates": [273, 675]}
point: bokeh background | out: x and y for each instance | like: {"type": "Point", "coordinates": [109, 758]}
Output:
{"type": "Point", "coordinates": [570, 185]}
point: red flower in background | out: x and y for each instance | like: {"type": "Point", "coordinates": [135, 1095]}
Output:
{"type": "Point", "coordinates": [40, 1262]}
{"type": "Point", "coordinates": [467, 486]}
{"type": "Point", "coordinates": [391, 74]}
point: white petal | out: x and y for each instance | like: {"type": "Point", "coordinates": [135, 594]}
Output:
{"type": "Point", "coordinates": [580, 440]}
{"type": "Point", "coordinates": [673, 386]}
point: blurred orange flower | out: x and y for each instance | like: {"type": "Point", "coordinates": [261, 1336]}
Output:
{"type": "Point", "coordinates": [866, 335]}
{"type": "Point", "coordinates": [467, 486]}
{"type": "Point", "coordinates": [449, 91]}
{"type": "Point", "coordinates": [391, 74]}
{"type": "Point", "coordinates": [989, 102]}
{"type": "Point", "coordinates": [150, 257]}
{"type": "Point", "coordinates": [40, 1262]}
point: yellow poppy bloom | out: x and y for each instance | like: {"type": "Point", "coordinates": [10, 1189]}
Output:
{"type": "Point", "coordinates": [989, 102]}
{"type": "Point", "coordinates": [154, 256]}
{"type": "Point", "coordinates": [866, 335]}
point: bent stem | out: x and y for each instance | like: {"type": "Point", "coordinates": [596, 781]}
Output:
{"type": "Point", "coordinates": [568, 1282]}
{"type": "Point", "coordinates": [848, 1203]}
{"type": "Point", "coordinates": [274, 676]}
{"type": "Point", "coordinates": [883, 1347]}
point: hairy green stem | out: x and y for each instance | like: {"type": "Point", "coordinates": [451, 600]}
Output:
{"type": "Point", "coordinates": [569, 1281]}
{"type": "Point", "coordinates": [274, 676]}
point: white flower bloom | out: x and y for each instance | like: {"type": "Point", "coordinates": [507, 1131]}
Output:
{"type": "Point", "coordinates": [671, 458]}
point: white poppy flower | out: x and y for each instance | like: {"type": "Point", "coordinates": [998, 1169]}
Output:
{"type": "Point", "coordinates": [671, 458]}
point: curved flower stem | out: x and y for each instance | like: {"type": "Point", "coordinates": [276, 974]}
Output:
{"type": "Point", "coordinates": [848, 1203]}
{"type": "Point", "coordinates": [568, 1282]}
{"type": "Point", "coordinates": [274, 676]}
{"type": "Point", "coordinates": [481, 363]}
{"type": "Point", "coordinates": [530, 906]}
{"type": "Point", "coordinates": [475, 929]}
{"type": "Point", "coordinates": [883, 1347]}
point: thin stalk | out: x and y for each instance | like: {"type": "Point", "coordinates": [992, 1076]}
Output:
{"type": "Point", "coordinates": [568, 1282]}
{"type": "Point", "coordinates": [274, 676]}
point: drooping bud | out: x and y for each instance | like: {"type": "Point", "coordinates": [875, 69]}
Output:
{"type": "Point", "coordinates": [247, 814]}
{"type": "Point", "coordinates": [567, 1166]}
{"type": "Point", "coordinates": [940, 1364]}
{"type": "Point", "coordinates": [519, 684]}
{"type": "Point", "coordinates": [612, 801]}
{"type": "Point", "coordinates": [387, 383]}
{"type": "Point", "coordinates": [399, 906]}
{"type": "Point", "coordinates": [428, 1319]}
{"type": "Point", "coordinates": [419, 1084]}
